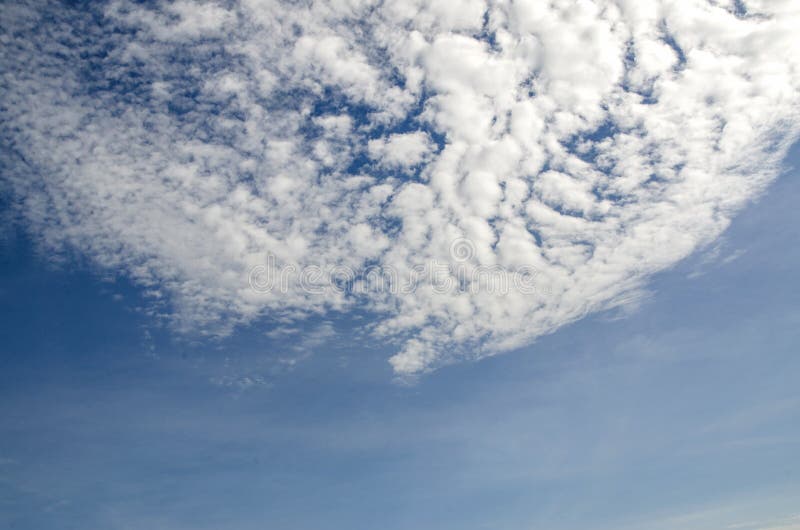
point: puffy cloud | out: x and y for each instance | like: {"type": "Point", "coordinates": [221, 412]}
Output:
{"type": "Point", "coordinates": [588, 143]}
{"type": "Point", "coordinates": [403, 150]}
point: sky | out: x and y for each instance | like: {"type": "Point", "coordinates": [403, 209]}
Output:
{"type": "Point", "coordinates": [194, 196]}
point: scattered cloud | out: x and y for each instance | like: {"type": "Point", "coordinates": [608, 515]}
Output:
{"type": "Point", "coordinates": [598, 142]}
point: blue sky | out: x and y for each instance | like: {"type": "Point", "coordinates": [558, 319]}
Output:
{"type": "Point", "coordinates": [587, 211]}
{"type": "Point", "coordinates": [682, 414]}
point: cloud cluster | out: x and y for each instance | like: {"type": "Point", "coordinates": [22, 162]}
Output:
{"type": "Point", "coordinates": [595, 141]}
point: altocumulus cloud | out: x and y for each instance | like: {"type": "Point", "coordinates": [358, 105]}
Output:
{"type": "Point", "coordinates": [594, 141]}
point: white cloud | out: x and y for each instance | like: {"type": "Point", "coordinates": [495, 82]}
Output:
{"type": "Point", "coordinates": [595, 141]}
{"type": "Point", "coordinates": [403, 150]}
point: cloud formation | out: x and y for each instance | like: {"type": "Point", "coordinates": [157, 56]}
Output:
{"type": "Point", "coordinates": [597, 142]}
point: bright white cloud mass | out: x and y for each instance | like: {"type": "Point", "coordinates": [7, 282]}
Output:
{"type": "Point", "coordinates": [595, 142]}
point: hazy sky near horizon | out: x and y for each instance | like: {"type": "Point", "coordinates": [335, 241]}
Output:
{"type": "Point", "coordinates": [625, 167]}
